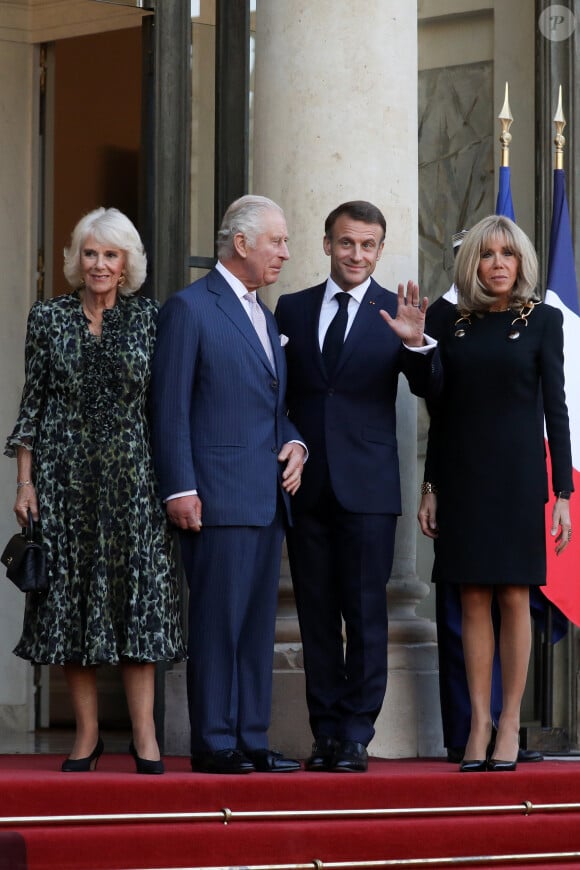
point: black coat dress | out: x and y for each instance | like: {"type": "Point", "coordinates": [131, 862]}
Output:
{"type": "Point", "coordinates": [486, 450]}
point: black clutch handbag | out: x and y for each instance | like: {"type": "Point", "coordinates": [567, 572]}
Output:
{"type": "Point", "coordinates": [25, 559]}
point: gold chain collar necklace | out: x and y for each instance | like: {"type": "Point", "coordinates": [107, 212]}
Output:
{"type": "Point", "coordinates": [464, 321]}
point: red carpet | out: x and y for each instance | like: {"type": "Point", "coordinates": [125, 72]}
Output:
{"type": "Point", "coordinates": [430, 811]}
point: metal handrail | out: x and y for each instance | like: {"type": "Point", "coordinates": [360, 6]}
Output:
{"type": "Point", "coordinates": [459, 861]}
{"type": "Point", "coordinates": [227, 816]}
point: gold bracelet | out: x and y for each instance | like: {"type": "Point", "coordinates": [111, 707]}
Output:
{"type": "Point", "coordinates": [21, 483]}
{"type": "Point", "coordinates": [427, 488]}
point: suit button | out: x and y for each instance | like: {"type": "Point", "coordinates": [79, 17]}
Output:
{"type": "Point", "coordinates": [274, 385]}
{"type": "Point", "coordinates": [274, 450]}
{"type": "Point", "coordinates": [330, 392]}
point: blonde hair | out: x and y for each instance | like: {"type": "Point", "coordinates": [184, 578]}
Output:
{"type": "Point", "coordinates": [471, 294]}
{"type": "Point", "coordinates": [108, 227]}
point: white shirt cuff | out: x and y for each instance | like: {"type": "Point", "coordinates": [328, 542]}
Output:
{"type": "Point", "coordinates": [181, 494]}
{"type": "Point", "coordinates": [430, 343]}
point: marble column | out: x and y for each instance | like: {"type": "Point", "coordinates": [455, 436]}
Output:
{"type": "Point", "coordinates": [335, 118]}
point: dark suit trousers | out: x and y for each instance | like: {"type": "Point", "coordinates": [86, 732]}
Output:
{"type": "Point", "coordinates": [233, 575]}
{"type": "Point", "coordinates": [453, 689]}
{"type": "Point", "coordinates": [340, 565]}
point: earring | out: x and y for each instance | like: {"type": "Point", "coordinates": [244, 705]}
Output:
{"type": "Point", "coordinates": [121, 281]}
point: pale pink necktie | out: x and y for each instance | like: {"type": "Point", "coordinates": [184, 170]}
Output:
{"type": "Point", "coordinates": [259, 321]}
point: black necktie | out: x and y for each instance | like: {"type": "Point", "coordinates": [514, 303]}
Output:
{"type": "Point", "coordinates": [334, 338]}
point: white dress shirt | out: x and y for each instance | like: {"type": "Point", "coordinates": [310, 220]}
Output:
{"type": "Point", "coordinates": [329, 308]}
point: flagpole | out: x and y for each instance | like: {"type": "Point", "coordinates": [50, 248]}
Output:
{"type": "Point", "coordinates": [505, 117]}
{"type": "Point", "coordinates": [547, 713]}
{"type": "Point", "coordinates": [504, 204]}
{"type": "Point", "coordinates": [559, 140]}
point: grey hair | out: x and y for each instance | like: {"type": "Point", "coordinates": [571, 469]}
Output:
{"type": "Point", "coordinates": [108, 227]}
{"type": "Point", "coordinates": [245, 215]}
{"type": "Point", "coordinates": [471, 294]}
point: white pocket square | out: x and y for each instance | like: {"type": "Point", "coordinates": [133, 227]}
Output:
{"type": "Point", "coordinates": [283, 340]}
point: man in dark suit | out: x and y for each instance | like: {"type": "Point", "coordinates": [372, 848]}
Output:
{"type": "Point", "coordinates": [343, 368]}
{"type": "Point", "coordinates": [224, 448]}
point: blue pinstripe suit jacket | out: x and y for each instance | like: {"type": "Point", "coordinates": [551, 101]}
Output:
{"type": "Point", "coordinates": [218, 407]}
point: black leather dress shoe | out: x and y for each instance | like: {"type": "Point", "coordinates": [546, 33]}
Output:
{"type": "Point", "coordinates": [323, 750]}
{"type": "Point", "coordinates": [455, 754]}
{"type": "Point", "coordinates": [268, 761]}
{"type": "Point", "coordinates": [529, 755]}
{"type": "Point", "coordinates": [222, 761]}
{"type": "Point", "coordinates": [350, 757]}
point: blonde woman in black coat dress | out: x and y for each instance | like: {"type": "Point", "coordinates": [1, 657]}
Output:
{"type": "Point", "coordinates": [486, 481]}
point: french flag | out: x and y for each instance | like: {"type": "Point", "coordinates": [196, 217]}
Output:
{"type": "Point", "coordinates": [562, 588]}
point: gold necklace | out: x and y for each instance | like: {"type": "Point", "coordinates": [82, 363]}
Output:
{"type": "Point", "coordinates": [464, 321]}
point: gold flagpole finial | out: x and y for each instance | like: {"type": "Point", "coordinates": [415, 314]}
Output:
{"type": "Point", "coordinates": [506, 118]}
{"type": "Point", "coordinates": [559, 140]}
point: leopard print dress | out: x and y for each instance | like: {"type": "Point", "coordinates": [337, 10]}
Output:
{"type": "Point", "coordinates": [113, 593]}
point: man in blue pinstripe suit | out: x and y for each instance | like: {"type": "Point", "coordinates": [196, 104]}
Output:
{"type": "Point", "coordinates": [226, 453]}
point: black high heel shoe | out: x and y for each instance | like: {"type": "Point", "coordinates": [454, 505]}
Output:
{"type": "Point", "coordinates": [89, 762]}
{"type": "Point", "coordinates": [499, 765]}
{"type": "Point", "coordinates": [479, 765]}
{"type": "Point", "coordinates": [475, 766]}
{"type": "Point", "coordinates": [145, 765]}
{"type": "Point", "coordinates": [496, 764]}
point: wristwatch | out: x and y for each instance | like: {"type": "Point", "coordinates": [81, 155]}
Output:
{"type": "Point", "coordinates": [563, 494]}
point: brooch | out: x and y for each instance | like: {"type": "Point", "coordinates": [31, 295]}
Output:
{"type": "Point", "coordinates": [522, 318]}
{"type": "Point", "coordinates": [460, 324]}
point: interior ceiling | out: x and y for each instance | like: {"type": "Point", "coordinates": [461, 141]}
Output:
{"type": "Point", "coordinates": [34, 21]}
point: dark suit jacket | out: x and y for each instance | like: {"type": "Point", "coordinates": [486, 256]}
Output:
{"type": "Point", "coordinates": [349, 420]}
{"type": "Point", "coordinates": [218, 412]}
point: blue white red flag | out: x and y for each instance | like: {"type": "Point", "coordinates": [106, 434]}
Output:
{"type": "Point", "coordinates": [538, 604]}
{"type": "Point", "coordinates": [562, 292]}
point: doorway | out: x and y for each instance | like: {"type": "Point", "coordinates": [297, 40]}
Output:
{"type": "Point", "coordinates": [93, 159]}
{"type": "Point", "coordinates": [97, 131]}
